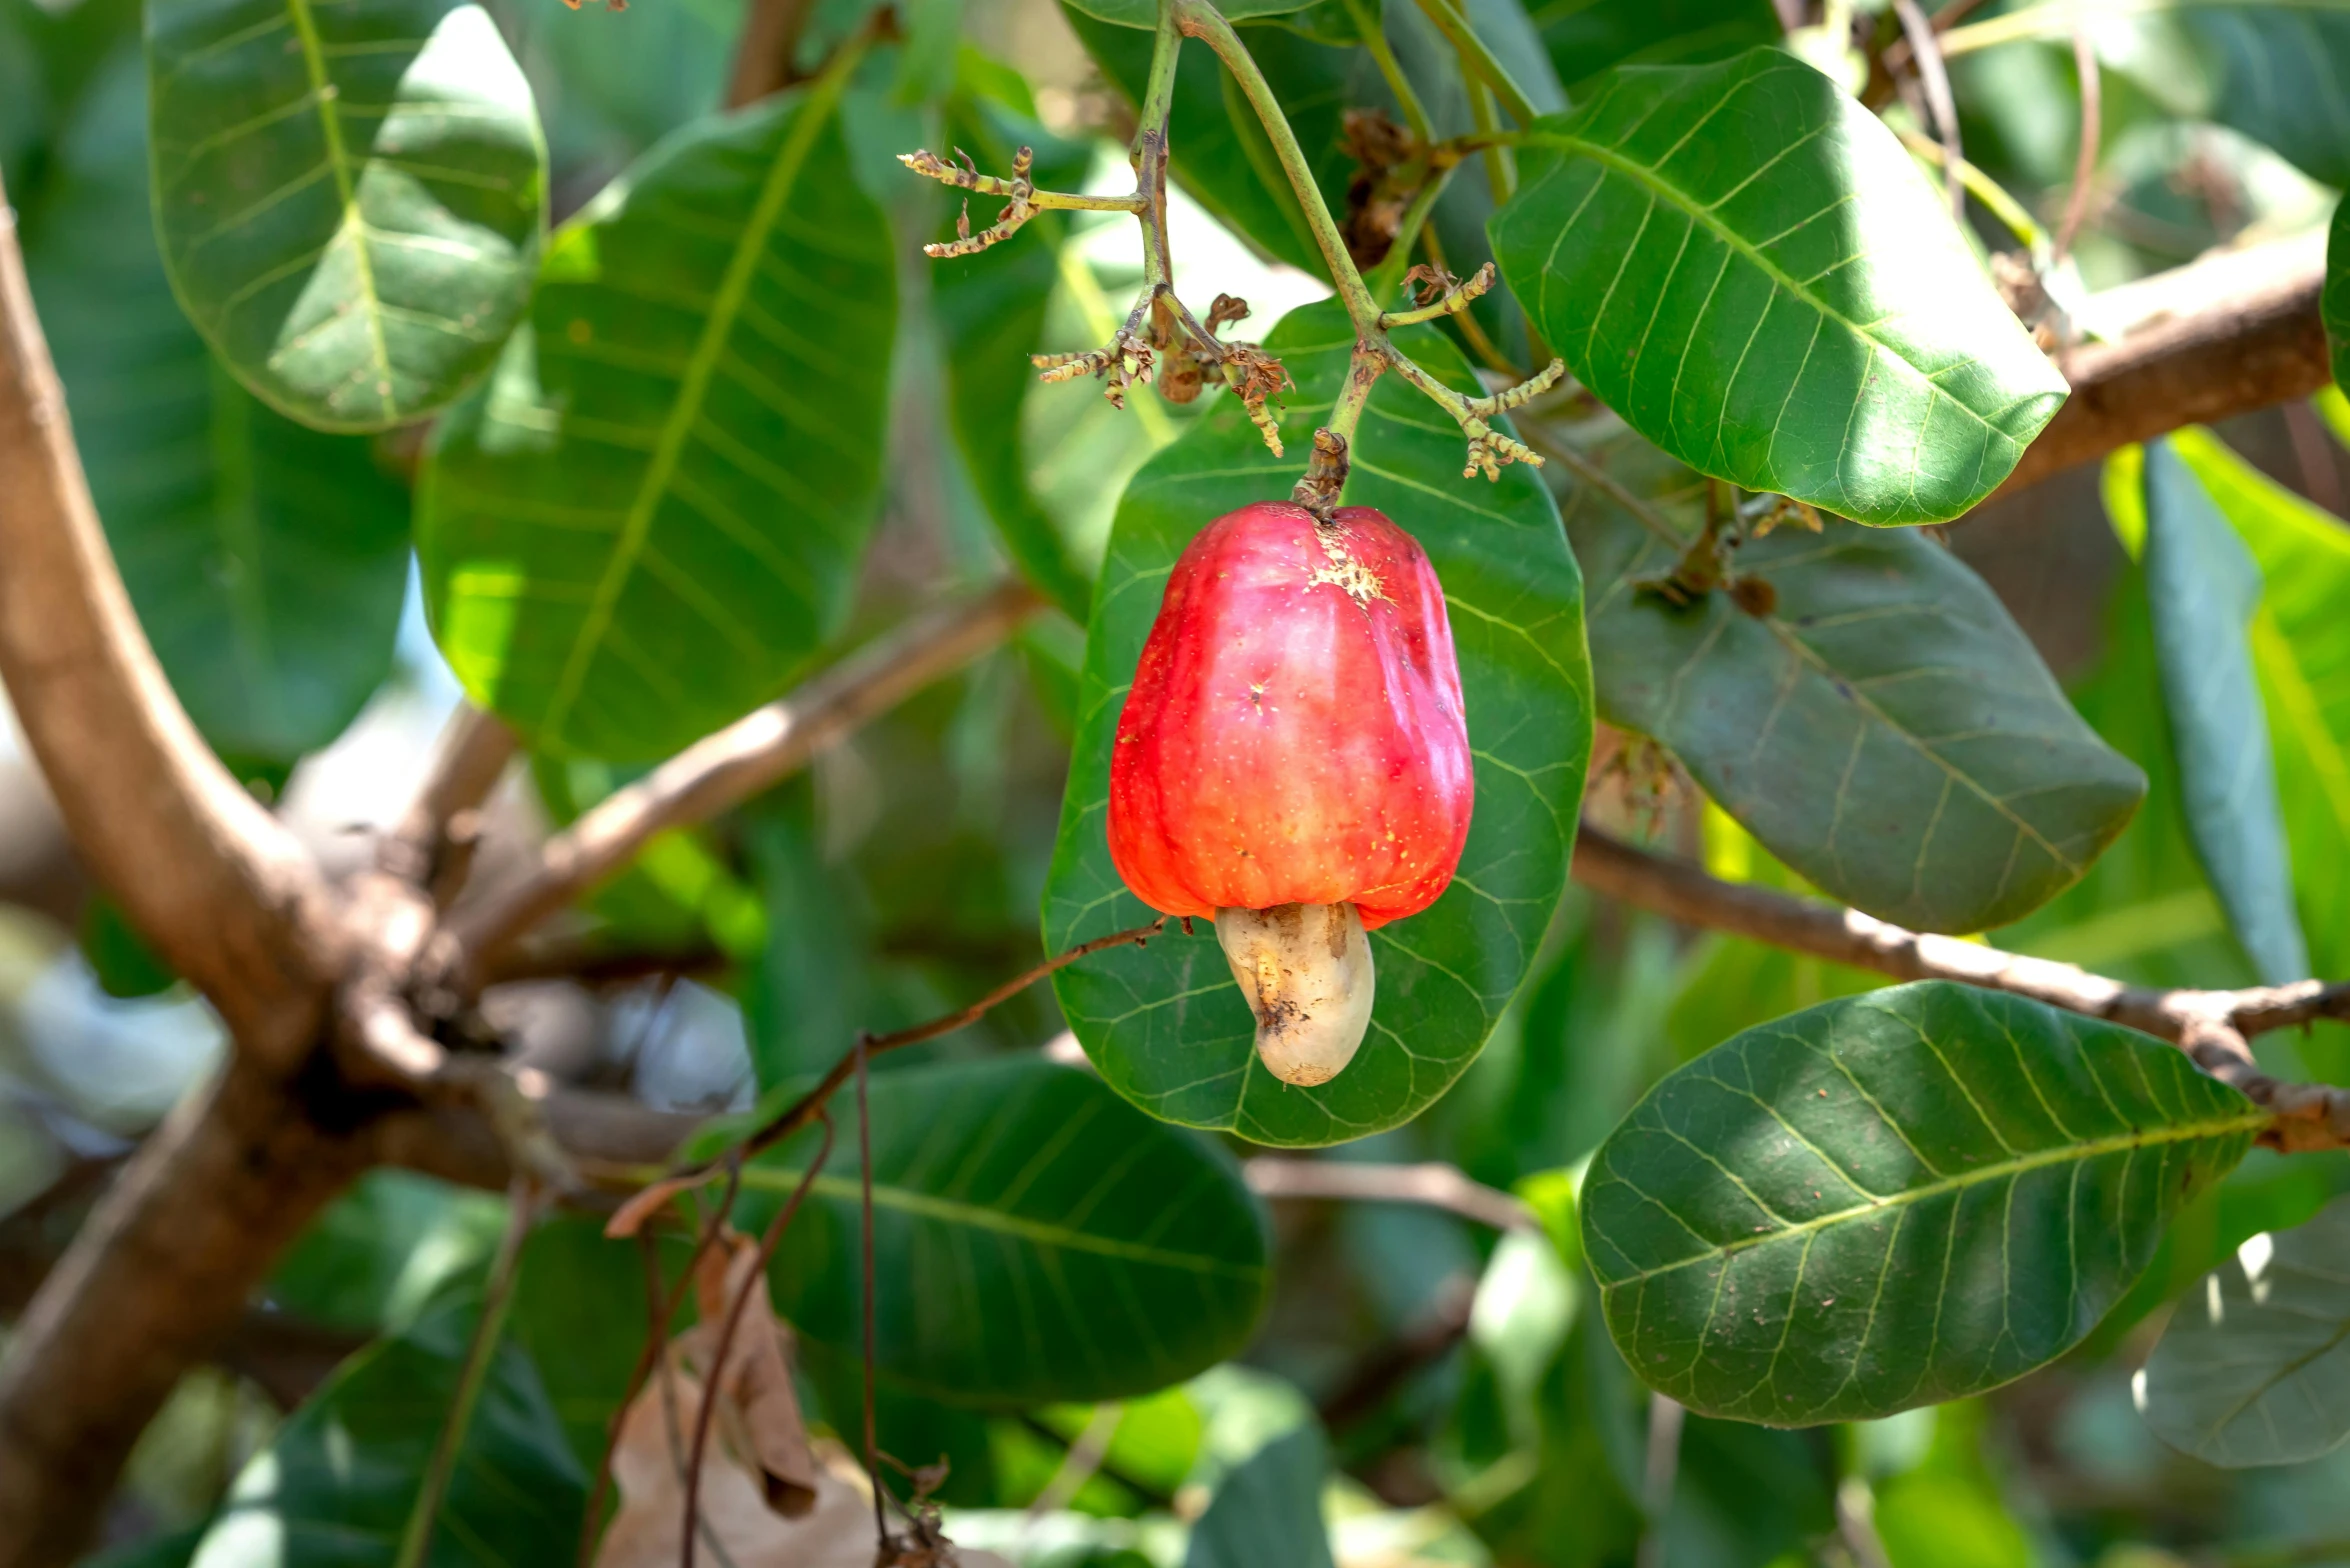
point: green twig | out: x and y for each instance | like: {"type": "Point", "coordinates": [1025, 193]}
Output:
{"type": "Point", "coordinates": [1455, 299]}
{"type": "Point", "coordinates": [1203, 21]}
{"type": "Point", "coordinates": [1415, 117]}
{"type": "Point", "coordinates": [1388, 275]}
{"type": "Point", "coordinates": [1988, 191]}
{"type": "Point", "coordinates": [1478, 59]}
{"type": "Point", "coordinates": [1488, 448]}
{"type": "Point", "coordinates": [1501, 171]}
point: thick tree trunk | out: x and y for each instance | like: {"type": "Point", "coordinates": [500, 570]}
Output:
{"type": "Point", "coordinates": [154, 1284]}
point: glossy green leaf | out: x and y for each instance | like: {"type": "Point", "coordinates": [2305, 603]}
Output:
{"type": "Point", "coordinates": [1038, 1239]}
{"type": "Point", "coordinates": [2254, 1368]}
{"type": "Point", "coordinates": [1165, 1024]}
{"type": "Point", "coordinates": [1893, 1200]}
{"type": "Point", "coordinates": [267, 562]}
{"type": "Point", "coordinates": [336, 1487]}
{"type": "Point", "coordinates": [2301, 651]}
{"type": "Point", "coordinates": [1269, 1509]}
{"type": "Point", "coordinates": [990, 309]}
{"type": "Point", "coordinates": [2205, 589]}
{"type": "Point", "coordinates": [1745, 264]}
{"type": "Point", "coordinates": [652, 515]}
{"type": "Point", "coordinates": [1585, 37]}
{"type": "Point", "coordinates": [1885, 729]}
{"type": "Point", "coordinates": [350, 197]}
{"type": "Point", "coordinates": [2334, 302]}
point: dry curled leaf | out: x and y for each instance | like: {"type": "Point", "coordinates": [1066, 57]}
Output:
{"type": "Point", "coordinates": [768, 1498]}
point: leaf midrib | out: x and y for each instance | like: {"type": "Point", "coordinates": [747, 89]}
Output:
{"type": "Point", "coordinates": [2252, 1119]}
{"type": "Point", "coordinates": [330, 122]}
{"type": "Point", "coordinates": [783, 1179]}
{"type": "Point", "coordinates": [1658, 187]}
{"type": "Point", "coordinates": [686, 410]}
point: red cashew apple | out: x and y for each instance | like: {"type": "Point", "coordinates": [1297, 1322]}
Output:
{"type": "Point", "coordinates": [1293, 762]}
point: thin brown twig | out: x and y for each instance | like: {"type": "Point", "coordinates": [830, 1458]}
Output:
{"type": "Point", "coordinates": [1431, 1184]}
{"type": "Point", "coordinates": [801, 1112]}
{"type": "Point", "coordinates": [881, 1541]}
{"type": "Point", "coordinates": [2211, 1026]}
{"type": "Point", "coordinates": [765, 51]}
{"type": "Point", "coordinates": [726, 768]}
{"type": "Point", "coordinates": [754, 1283]}
{"type": "Point", "coordinates": [1934, 77]}
{"type": "Point", "coordinates": [660, 1316]}
{"type": "Point", "coordinates": [1897, 53]}
{"type": "Point", "coordinates": [432, 848]}
{"type": "Point", "coordinates": [1387, 1367]}
{"type": "Point", "coordinates": [2076, 202]}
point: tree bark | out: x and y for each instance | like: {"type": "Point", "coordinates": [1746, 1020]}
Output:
{"type": "Point", "coordinates": [162, 1269]}
{"type": "Point", "coordinates": [2253, 341]}
{"type": "Point", "coordinates": [222, 890]}
{"type": "Point", "coordinates": [156, 1282]}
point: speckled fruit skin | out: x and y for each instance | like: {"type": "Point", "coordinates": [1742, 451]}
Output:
{"type": "Point", "coordinates": [1295, 733]}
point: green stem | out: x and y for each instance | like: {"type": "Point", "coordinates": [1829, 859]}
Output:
{"type": "Point", "coordinates": [1478, 59]}
{"type": "Point", "coordinates": [1375, 39]}
{"type": "Point", "coordinates": [1203, 21]}
{"type": "Point", "coordinates": [1501, 171]}
{"type": "Point", "coordinates": [1061, 201]}
{"type": "Point", "coordinates": [1388, 275]}
{"type": "Point", "coordinates": [497, 1296]}
{"type": "Point", "coordinates": [1362, 373]}
{"type": "Point", "coordinates": [1988, 191]}
{"type": "Point", "coordinates": [1452, 302]}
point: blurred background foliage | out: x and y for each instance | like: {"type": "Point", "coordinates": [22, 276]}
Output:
{"type": "Point", "coordinates": [1474, 1408]}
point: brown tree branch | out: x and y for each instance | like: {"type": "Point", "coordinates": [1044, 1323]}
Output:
{"type": "Point", "coordinates": [2249, 340]}
{"type": "Point", "coordinates": [160, 1273]}
{"type": "Point", "coordinates": [433, 846]}
{"type": "Point", "coordinates": [156, 1281]}
{"type": "Point", "coordinates": [226, 895]}
{"type": "Point", "coordinates": [1432, 1184]}
{"type": "Point", "coordinates": [2211, 1026]}
{"type": "Point", "coordinates": [766, 48]}
{"type": "Point", "coordinates": [729, 767]}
